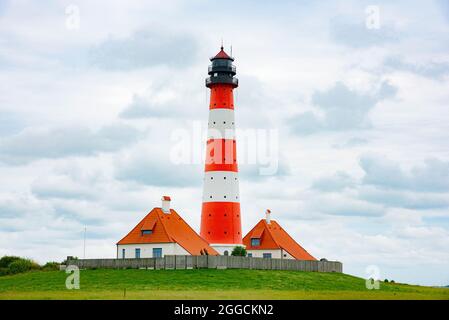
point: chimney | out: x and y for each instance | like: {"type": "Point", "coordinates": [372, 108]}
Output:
{"type": "Point", "coordinates": [166, 204]}
{"type": "Point", "coordinates": [268, 216]}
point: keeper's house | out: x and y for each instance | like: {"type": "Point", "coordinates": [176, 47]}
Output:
{"type": "Point", "coordinates": [162, 232]}
{"type": "Point", "coordinates": [269, 240]}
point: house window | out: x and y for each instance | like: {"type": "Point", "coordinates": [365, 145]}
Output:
{"type": "Point", "coordinates": [157, 252]}
{"type": "Point", "coordinates": [137, 253]}
{"type": "Point", "coordinates": [147, 232]}
{"type": "Point", "coordinates": [123, 253]}
{"type": "Point", "coordinates": [267, 255]}
{"type": "Point", "coordinates": [226, 253]}
{"type": "Point", "coordinates": [250, 255]}
{"type": "Point", "coordinates": [255, 242]}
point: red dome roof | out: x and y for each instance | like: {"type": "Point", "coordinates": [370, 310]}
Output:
{"type": "Point", "coordinates": [222, 55]}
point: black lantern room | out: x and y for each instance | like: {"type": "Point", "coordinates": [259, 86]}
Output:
{"type": "Point", "coordinates": [222, 71]}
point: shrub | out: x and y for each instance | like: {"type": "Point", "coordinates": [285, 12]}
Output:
{"type": "Point", "coordinates": [386, 280]}
{"type": "Point", "coordinates": [239, 251]}
{"type": "Point", "coordinates": [34, 265]}
{"type": "Point", "coordinates": [5, 261]}
{"type": "Point", "coordinates": [14, 265]}
{"type": "Point", "coordinates": [50, 266]}
{"type": "Point", "coordinates": [22, 265]}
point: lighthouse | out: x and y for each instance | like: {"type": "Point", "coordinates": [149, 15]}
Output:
{"type": "Point", "coordinates": [220, 216]}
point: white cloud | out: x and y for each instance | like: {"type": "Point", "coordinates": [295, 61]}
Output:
{"type": "Point", "coordinates": [36, 143]}
{"type": "Point", "coordinates": [341, 108]}
{"type": "Point", "coordinates": [433, 175]}
{"type": "Point", "coordinates": [144, 48]}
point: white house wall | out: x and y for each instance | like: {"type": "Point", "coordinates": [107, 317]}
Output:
{"type": "Point", "coordinates": [275, 253]}
{"type": "Point", "coordinates": [146, 249]}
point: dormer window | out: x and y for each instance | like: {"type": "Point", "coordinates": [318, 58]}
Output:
{"type": "Point", "coordinates": [148, 227]}
{"type": "Point", "coordinates": [255, 242]}
{"type": "Point", "coordinates": [256, 236]}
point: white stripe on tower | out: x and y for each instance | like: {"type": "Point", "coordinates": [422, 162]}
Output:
{"type": "Point", "coordinates": [221, 186]}
{"type": "Point", "coordinates": [221, 124]}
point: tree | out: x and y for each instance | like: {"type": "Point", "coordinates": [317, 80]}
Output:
{"type": "Point", "coordinates": [239, 251]}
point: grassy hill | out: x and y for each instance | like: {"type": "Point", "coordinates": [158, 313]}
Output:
{"type": "Point", "coordinates": [205, 284]}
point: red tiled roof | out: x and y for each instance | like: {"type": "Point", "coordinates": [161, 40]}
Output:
{"type": "Point", "coordinates": [273, 236]}
{"type": "Point", "coordinates": [166, 198]}
{"type": "Point", "coordinates": [167, 228]}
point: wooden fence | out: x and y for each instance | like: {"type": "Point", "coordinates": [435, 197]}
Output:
{"type": "Point", "coordinates": [179, 262]}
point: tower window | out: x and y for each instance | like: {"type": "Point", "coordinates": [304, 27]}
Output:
{"type": "Point", "coordinates": [210, 197]}
{"type": "Point", "coordinates": [225, 197]}
{"type": "Point", "coordinates": [224, 178]}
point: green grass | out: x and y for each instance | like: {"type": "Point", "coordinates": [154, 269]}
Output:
{"type": "Point", "coordinates": [205, 284]}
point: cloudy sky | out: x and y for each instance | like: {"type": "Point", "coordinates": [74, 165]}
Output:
{"type": "Point", "coordinates": [92, 92]}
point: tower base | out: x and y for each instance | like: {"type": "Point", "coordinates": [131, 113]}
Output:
{"type": "Point", "coordinates": [222, 248]}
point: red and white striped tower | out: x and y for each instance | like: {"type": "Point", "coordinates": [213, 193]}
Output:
{"type": "Point", "coordinates": [220, 216]}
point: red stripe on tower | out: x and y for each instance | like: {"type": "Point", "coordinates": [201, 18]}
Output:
{"type": "Point", "coordinates": [220, 216]}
